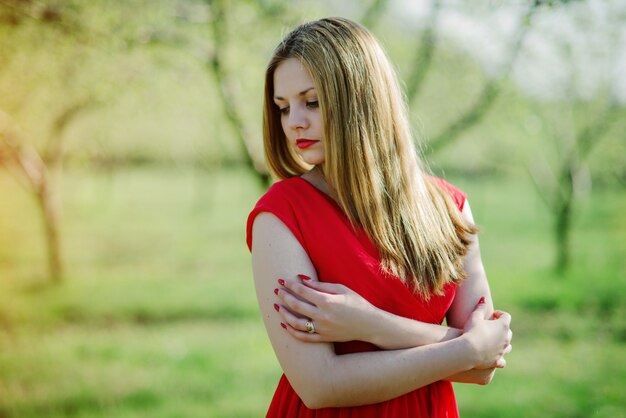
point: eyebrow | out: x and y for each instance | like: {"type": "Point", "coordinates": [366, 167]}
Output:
{"type": "Point", "coordinates": [302, 93]}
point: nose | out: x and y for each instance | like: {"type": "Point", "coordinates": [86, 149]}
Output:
{"type": "Point", "coordinates": [297, 118]}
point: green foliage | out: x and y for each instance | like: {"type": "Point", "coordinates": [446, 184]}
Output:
{"type": "Point", "coordinates": [146, 65]}
{"type": "Point", "coordinates": [158, 316]}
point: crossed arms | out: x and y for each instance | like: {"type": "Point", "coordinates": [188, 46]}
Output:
{"type": "Point", "coordinates": [416, 354]}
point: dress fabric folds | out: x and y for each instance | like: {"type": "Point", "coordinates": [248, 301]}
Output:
{"type": "Point", "coordinates": [342, 254]}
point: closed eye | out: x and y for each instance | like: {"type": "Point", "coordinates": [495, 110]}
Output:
{"type": "Point", "coordinates": [284, 110]}
{"type": "Point", "coordinates": [313, 104]}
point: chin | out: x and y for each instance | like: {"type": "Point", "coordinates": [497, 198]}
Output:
{"type": "Point", "coordinates": [312, 160]}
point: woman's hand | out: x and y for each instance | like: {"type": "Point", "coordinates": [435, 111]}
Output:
{"type": "Point", "coordinates": [337, 312]}
{"type": "Point", "coordinates": [490, 339]}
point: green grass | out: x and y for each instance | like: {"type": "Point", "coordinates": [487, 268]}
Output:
{"type": "Point", "coordinates": [158, 316]}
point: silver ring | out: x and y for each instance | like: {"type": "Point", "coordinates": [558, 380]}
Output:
{"type": "Point", "coordinates": [310, 328]}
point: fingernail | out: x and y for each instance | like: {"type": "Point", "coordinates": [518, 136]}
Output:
{"type": "Point", "coordinates": [281, 282]}
{"type": "Point", "coordinates": [276, 291]}
{"type": "Point", "coordinates": [283, 325]}
{"type": "Point", "coordinates": [276, 307]}
{"type": "Point", "coordinates": [304, 277]}
{"type": "Point", "coordinates": [482, 300]}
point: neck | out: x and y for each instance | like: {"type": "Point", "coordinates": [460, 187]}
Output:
{"type": "Point", "coordinates": [317, 179]}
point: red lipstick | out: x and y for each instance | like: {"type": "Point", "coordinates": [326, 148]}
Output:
{"type": "Point", "coordinates": [305, 143]}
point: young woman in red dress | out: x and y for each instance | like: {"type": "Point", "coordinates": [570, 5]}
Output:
{"type": "Point", "coordinates": [358, 254]}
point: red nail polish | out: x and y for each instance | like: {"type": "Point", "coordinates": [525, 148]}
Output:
{"type": "Point", "coordinates": [482, 300]}
{"type": "Point", "coordinates": [304, 277]}
{"type": "Point", "coordinates": [281, 282]}
{"type": "Point", "coordinates": [276, 307]}
{"type": "Point", "coordinates": [283, 325]}
{"type": "Point", "coordinates": [276, 291]}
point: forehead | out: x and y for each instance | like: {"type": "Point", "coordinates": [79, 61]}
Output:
{"type": "Point", "coordinates": [291, 78]}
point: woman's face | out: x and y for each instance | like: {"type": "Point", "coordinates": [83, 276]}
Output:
{"type": "Point", "coordinates": [296, 98]}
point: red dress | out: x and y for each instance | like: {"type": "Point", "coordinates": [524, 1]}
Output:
{"type": "Point", "coordinates": [342, 255]}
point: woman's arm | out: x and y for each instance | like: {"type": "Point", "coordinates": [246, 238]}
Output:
{"type": "Point", "coordinates": [323, 379]}
{"type": "Point", "coordinates": [472, 288]}
{"type": "Point", "coordinates": [475, 286]}
{"type": "Point", "coordinates": [350, 317]}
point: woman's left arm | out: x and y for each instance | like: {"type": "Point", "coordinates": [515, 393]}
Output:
{"type": "Point", "coordinates": [472, 288]}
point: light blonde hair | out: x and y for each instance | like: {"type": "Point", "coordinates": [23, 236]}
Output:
{"type": "Point", "coordinates": [371, 164]}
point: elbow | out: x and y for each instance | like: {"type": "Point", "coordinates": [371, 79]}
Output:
{"type": "Point", "coordinates": [312, 403]}
{"type": "Point", "coordinates": [318, 395]}
{"type": "Point", "coordinates": [318, 387]}
{"type": "Point", "coordinates": [317, 398]}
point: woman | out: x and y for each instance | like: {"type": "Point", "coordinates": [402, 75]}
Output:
{"type": "Point", "coordinates": [358, 255]}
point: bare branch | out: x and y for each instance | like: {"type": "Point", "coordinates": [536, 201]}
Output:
{"type": "Point", "coordinates": [11, 158]}
{"type": "Point", "coordinates": [226, 90]}
{"type": "Point", "coordinates": [54, 147]}
{"type": "Point", "coordinates": [423, 56]}
{"type": "Point", "coordinates": [541, 186]}
{"type": "Point", "coordinates": [489, 94]}
{"type": "Point", "coordinates": [24, 162]}
{"type": "Point", "coordinates": [589, 137]}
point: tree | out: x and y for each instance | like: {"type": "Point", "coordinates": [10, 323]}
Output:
{"type": "Point", "coordinates": [560, 186]}
{"type": "Point", "coordinates": [215, 64]}
{"type": "Point", "coordinates": [586, 102]}
{"type": "Point", "coordinates": [421, 64]}
{"type": "Point", "coordinates": [35, 157]}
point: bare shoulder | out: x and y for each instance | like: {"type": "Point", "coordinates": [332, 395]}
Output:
{"type": "Point", "coordinates": [467, 212]}
{"type": "Point", "coordinates": [271, 237]}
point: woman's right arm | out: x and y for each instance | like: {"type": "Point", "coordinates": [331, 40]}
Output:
{"type": "Point", "coordinates": [323, 379]}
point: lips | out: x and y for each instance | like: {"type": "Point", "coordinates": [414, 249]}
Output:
{"type": "Point", "coordinates": [305, 142]}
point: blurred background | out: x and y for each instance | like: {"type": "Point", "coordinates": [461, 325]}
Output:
{"type": "Point", "coordinates": [130, 156]}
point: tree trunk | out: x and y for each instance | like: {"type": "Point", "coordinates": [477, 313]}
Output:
{"type": "Point", "coordinates": [563, 223]}
{"type": "Point", "coordinates": [49, 204]}
{"type": "Point", "coordinates": [563, 214]}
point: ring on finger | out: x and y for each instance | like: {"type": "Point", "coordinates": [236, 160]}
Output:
{"type": "Point", "coordinates": [310, 328]}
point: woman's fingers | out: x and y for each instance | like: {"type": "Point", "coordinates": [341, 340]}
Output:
{"type": "Point", "coordinates": [307, 293]}
{"type": "Point", "coordinates": [296, 322]}
{"type": "Point", "coordinates": [295, 304]}
{"type": "Point", "coordinates": [496, 314]}
{"type": "Point", "coordinates": [330, 288]}
{"type": "Point", "coordinates": [501, 363]}
{"type": "Point", "coordinates": [508, 349]}
{"type": "Point", "coordinates": [479, 312]}
{"type": "Point", "coordinates": [297, 326]}
{"type": "Point", "coordinates": [302, 335]}
{"type": "Point", "coordinates": [504, 317]}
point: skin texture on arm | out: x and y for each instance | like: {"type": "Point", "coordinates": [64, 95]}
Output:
{"type": "Point", "coordinates": [323, 379]}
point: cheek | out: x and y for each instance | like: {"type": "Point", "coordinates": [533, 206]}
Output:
{"type": "Point", "coordinates": [283, 123]}
{"type": "Point", "coordinates": [319, 123]}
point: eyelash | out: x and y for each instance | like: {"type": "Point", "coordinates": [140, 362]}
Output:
{"type": "Point", "coordinates": [311, 105]}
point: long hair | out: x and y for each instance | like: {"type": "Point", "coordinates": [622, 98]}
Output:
{"type": "Point", "coordinates": [371, 164]}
